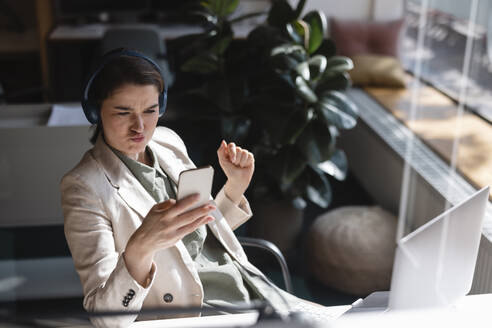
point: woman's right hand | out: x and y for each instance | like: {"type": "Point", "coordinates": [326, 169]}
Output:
{"type": "Point", "coordinates": [165, 224]}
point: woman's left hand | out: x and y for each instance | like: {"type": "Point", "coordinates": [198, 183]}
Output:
{"type": "Point", "coordinates": [238, 165]}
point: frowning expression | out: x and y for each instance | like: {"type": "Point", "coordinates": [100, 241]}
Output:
{"type": "Point", "coordinates": [129, 117]}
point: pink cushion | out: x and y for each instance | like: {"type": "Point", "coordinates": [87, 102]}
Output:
{"type": "Point", "coordinates": [360, 37]}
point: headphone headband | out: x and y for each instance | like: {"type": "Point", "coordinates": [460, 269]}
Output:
{"type": "Point", "coordinates": [91, 110]}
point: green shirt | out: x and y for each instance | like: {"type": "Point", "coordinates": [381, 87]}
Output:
{"type": "Point", "coordinates": [223, 279]}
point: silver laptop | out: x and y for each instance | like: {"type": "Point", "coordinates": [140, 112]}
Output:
{"type": "Point", "coordinates": [434, 265]}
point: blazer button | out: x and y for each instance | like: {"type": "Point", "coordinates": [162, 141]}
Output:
{"type": "Point", "coordinates": [168, 298]}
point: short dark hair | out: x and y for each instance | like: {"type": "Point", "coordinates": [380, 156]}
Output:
{"type": "Point", "coordinates": [120, 71]}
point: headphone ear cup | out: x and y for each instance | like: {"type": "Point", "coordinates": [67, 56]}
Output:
{"type": "Point", "coordinates": [91, 112]}
{"type": "Point", "coordinates": [94, 112]}
{"type": "Point", "coordinates": [162, 102]}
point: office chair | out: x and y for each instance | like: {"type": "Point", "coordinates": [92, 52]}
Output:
{"type": "Point", "coordinates": [270, 247]}
{"type": "Point", "coordinates": [145, 39]}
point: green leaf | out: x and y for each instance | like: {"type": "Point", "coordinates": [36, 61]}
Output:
{"type": "Point", "coordinates": [299, 8]}
{"type": "Point", "coordinates": [327, 48]}
{"type": "Point", "coordinates": [299, 203]}
{"type": "Point", "coordinates": [319, 190]}
{"type": "Point", "coordinates": [317, 66]}
{"type": "Point", "coordinates": [341, 101]}
{"type": "Point", "coordinates": [303, 70]}
{"type": "Point", "coordinates": [302, 29]}
{"type": "Point", "coordinates": [208, 17]}
{"type": "Point", "coordinates": [205, 63]}
{"type": "Point", "coordinates": [338, 64]}
{"type": "Point", "coordinates": [338, 81]}
{"type": "Point", "coordinates": [221, 45]}
{"type": "Point", "coordinates": [247, 16]}
{"type": "Point", "coordinates": [193, 44]}
{"type": "Point", "coordinates": [265, 37]}
{"type": "Point", "coordinates": [334, 116]}
{"type": "Point", "coordinates": [296, 34]}
{"type": "Point", "coordinates": [215, 92]}
{"type": "Point", "coordinates": [296, 124]}
{"type": "Point", "coordinates": [291, 165]}
{"type": "Point", "coordinates": [317, 27]}
{"type": "Point", "coordinates": [230, 6]}
{"type": "Point", "coordinates": [304, 90]}
{"type": "Point", "coordinates": [235, 128]}
{"type": "Point", "coordinates": [280, 13]}
{"type": "Point", "coordinates": [282, 63]}
{"type": "Point", "coordinates": [267, 114]}
{"type": "Point", "coordinates": [334, 131]}
{"type": "Point", "coordinates": [287, 49]}
{"type": "Point", "coordinates": [315, 142]}
{"type": "Point", "coordinates": [336, 166]}
{"type": "Point", "coordinates": [300, 56]}
{"type": "Point", "coordinates": [221, 8]}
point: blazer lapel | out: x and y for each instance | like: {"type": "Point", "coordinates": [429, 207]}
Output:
{"type": "Point", "coordinates": [167, 161]}
{"type": "Point", "coordinates": [122, 179]}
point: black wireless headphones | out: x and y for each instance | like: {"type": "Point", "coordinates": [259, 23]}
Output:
{"type": "Point", "coordinates": [92, 110]}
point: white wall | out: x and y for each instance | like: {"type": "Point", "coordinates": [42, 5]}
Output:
{"type": "Point", "coordinates": [379, 10]}
{"type": "Point", "coordinates": [346, 9]}
{"type": "Point", "coordinates": [387, 9]}
{"type": "Point", "coordinates": [357, 9]}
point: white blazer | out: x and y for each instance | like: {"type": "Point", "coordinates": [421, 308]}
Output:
{"type": "Point", "coordinates": [103, 204]}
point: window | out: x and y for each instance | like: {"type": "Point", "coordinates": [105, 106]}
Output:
{"type": "Point", "coordinates": [446, 62]}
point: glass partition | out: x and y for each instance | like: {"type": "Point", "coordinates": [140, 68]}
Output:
{"type": "Point", "coordinates": [411, 154]}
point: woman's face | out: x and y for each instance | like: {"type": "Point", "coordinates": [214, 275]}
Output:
{"type": "Point", "coordinates": [129, 117]}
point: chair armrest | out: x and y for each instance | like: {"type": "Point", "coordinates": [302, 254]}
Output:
{"type": "Point", "coordinates": [270, 247]}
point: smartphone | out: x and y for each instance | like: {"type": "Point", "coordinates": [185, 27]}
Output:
{"type": "Point", "coordinates": [196, 181]}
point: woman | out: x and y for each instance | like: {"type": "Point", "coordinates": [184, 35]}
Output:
{"type": "Point", "coordinates": [132, 243]}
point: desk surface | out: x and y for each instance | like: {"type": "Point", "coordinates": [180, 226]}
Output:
{"type": "Point", "coordinates": [468, 309]}
{"type": "Point", "coordinates": [226, 320]}
{"type": "Point", "coordinates": [378, 301]}
{"type": "Point", "coordinates": [96, 31]}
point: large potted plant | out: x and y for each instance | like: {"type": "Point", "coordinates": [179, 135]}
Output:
{"type": "Point", "coordinates": [299, 104]}
{"type": "Point", "coordinates": [214, 67]}
{"type": "Point", "coordinates": [280, 94]}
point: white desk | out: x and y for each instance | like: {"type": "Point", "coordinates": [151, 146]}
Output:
{"type": "Point", "coordinates": [227, 320]}
{"type": "Point", "coordinates": [470, 311]}
{"type": "Point", "coordinates": [378, 301]}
